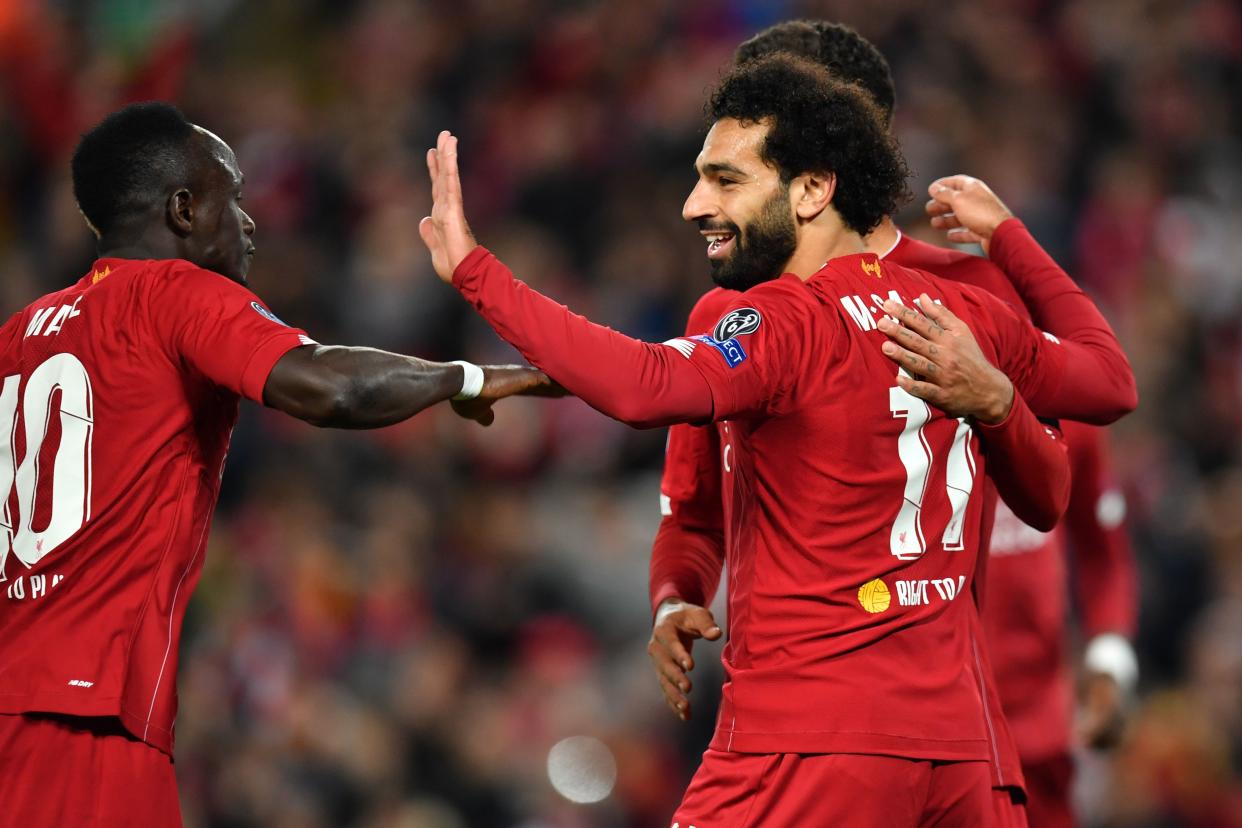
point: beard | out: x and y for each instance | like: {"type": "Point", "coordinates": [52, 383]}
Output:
{"type": "Point", "coordinates": [762, 249]}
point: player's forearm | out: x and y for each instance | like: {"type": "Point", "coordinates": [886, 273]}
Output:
{"type": "Point", "coordinates": [686, 563]}
{"type": "Point", "coordinates": [1098, 384]}
{"type": "Point", "coordinates": [638, 383]}
{"type": "Point", "coordinates": [344, 387]}
{"type": "Point", "coordinates": [1028, 463]}
{"type": "Point", "coordinates": [1056, 303]}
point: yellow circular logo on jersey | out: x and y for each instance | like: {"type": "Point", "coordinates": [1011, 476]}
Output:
{"type": "Point", "coordinates": [874, 596]}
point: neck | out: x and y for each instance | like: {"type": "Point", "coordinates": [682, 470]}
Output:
{"type": "Point", "coordinates": [883, 238]}
{"type": "Point", "coordinates": [821, 244]}
{"type": "Point", "coordinates": [140, 246]}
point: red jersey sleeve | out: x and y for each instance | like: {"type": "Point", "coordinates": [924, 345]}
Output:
{"type": "Point", "coordinates": [1028, 462]}
{"type": "Point", "coordinates": [754, 355]}
{"type": "Point", "coordinates": [687, 556]}
{"type": "Point", "coordinates": [640, 383]}
{"type": "Point", "coordinates": [1058, 378]}
{"type": "Point", "coordinates": [1105, 579]}
{"type": "Point", "coordinates": [220, 330]}
{"type": "Point", "coordinates": [1060, 307]}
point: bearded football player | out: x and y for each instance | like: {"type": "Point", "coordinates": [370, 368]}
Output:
{"type": "Point", "coordinates": [852, 518]}
{"type": "Point", "coordinates": [1026, 581]}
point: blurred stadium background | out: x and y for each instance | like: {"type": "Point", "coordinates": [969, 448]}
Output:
{"type": "Point", "coordinates": [394, 628]}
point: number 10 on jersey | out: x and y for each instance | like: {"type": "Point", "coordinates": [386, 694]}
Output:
{"type": "Point", "coordinates": [907, 541]}
{"type": "Point", "coordinates": [71, 469]}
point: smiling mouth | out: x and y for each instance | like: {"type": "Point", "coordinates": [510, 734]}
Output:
{"type": "Point", "coordinates": [719, 243]}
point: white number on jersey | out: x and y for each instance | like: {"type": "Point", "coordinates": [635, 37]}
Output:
{"type": "Point", "coordinates": [906, 541]}
{"type": "Point", "coordinates": [71, 470]}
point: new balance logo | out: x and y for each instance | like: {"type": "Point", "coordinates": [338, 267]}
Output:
{"type": "Point", "coordinates": [682, 346]}
{"type": "Point", "coordinates": [80, 683]}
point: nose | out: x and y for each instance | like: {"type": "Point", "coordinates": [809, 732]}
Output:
{"type": "Point", "coordinates": [698, 204]}
{"type": "Point", "coordinates": [247, 224]}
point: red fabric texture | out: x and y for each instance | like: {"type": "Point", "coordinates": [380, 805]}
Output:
{"type": "Point", "coordinates": [1048, 789]}
{"type": "Point", "coordinates": [818, 791]}
{"type": "Point", "coordinates": [153, 357]}
{"type": "Point", "coordinates": [1026, 584]}
{"type": "Point", "coordinates": [64, 770]}
{"type": "Point", "coordinates": [1007, 809]}
{"type": "Point", "coordinates": [811, 668]}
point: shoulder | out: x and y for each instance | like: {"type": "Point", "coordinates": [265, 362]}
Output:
{"type": "Point", "coordinates": [187, 273]}
{"type": "Point", "coordinates": [154, 277]}
{"type": "Point", "coordinates": [913, 252]}
{"type": "Point", "coordinates": [785, 297]}
{"type": "Point", "coordinates": [710, 307]}
{"type": "Point", "coordinates": [956, 266]}
{"type": "Point", "coordinates": [727, 313]}
{"type": "Point", "coordinates": [11, 330]}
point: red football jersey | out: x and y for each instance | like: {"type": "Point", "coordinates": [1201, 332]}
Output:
{"type": "Point", "coordinates": [119, 397]}
{"type": "Point", "coordinates": [850, 526]}
{"type": "Point", "coordinates": [1027, 645]}
{"type": "Point", "coordinates": [1028, 602]}
{"type": "Point", "coordinates": [1025, 613]}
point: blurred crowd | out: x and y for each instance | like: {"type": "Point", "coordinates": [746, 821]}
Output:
{"type": "Point", "coordinates": [393, 628]}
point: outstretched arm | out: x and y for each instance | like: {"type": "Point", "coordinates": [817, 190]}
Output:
{"type": "Point", "coordinates": [342, 387]}
{"type": "Point", "coordinates": [220, 331]}
{"type": "Point", "coordinates": [642, 384]}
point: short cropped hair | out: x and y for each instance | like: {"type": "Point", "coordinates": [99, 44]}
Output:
{"type": "Point", "coordinates": [846, 53]}
{"type": "Point", "coordinates": [129, 160]}
{"type": "Point", "coordinates": [818, 124]}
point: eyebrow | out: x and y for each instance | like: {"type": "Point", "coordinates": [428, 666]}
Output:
{"type": "Point", "coordinates": [720, 167]}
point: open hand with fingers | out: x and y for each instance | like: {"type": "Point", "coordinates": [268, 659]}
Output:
{"type": "Point", "coordinates": [943, 361]}
{"type": "Point", "coordinates": [446, 232]}
{"type": "Point", "coordinates": [966, 208]}
{"type": "Point", "coordinates": [500, 381]}
{"type": "Point", "coordinates": [677, 625]}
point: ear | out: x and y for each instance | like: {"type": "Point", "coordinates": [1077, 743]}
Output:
{"type": "Point", "coordinates": [812, 193]}
{"type": "Point", "coordinates": [180, 211]}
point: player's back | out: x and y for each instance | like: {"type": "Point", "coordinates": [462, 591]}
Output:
{"type": "Point", "coordinates": [851, 530]}
{"type": "Point", "coordinates": [115, 427]}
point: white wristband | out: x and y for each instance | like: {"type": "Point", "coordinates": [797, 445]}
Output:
{"type": "Point", "coordinates": [1112, 655]}
{"type": "Point", "coordinates": [472, 382]}
{"type": "Point", "coordinates": [667, 607]}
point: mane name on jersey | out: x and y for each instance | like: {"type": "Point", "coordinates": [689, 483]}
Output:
{"type": "Point", "coordinates": [57, 317]}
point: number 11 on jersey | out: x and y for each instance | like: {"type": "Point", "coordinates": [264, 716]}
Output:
{"type": "Point", "coordinates": [907, 541]}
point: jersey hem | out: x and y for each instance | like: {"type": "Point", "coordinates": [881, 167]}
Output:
{"type": "Point", "coordinates": [16, 704]}
{"type": "Point", "coordinates": [826, 741]}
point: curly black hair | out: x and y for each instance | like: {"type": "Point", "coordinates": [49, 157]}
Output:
{"type": "Point", "coordinates": [845, 52]}
{"type": "Point", "coordinates": [128, 161]}
{"type": "Point", "coordinates": [817, 123]}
